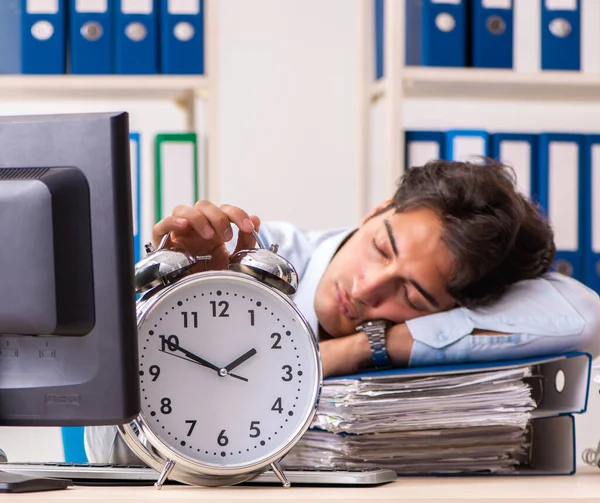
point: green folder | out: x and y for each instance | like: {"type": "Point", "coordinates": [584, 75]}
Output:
{"type": "Point", "coordinates": [176, 158]}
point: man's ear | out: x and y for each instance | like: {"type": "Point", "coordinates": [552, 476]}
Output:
{"type": "Point", "coordinates": [376, 210]}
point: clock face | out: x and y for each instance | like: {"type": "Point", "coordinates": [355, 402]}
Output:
{"type": "Point", "coordinates": [229, 372]}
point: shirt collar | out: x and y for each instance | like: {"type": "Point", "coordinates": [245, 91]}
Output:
{"type": "Point", "coordinates": [307, 288]}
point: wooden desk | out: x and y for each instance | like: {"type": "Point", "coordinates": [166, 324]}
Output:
{"type": "Point", "coordinates": [584, 485]}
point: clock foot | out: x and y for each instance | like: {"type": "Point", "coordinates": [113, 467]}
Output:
{"type": "Point", "coordinates": [164, 474]}
{"type": "Point", "coordinates": [280, 475]}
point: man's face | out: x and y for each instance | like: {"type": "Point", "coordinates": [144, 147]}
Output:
{"type": "Point", "coordinates": [395, 267]}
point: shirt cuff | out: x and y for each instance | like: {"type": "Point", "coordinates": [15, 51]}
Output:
{"type": "Point", "coordinates": [441, 329]}
{"type": "Point", "coordinates": [423, 355]}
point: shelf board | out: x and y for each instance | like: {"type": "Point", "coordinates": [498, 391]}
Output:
{"type": "Point", "coordinates": [105, 87]}
{"type": "Point", "coordinates": [479, 83]}
{"type": "Point", "coordinates": [499, 84]}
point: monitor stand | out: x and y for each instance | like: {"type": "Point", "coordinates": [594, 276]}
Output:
{"type": "Point", "coordinates": [16, 483]}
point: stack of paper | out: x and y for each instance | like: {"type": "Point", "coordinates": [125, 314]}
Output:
{"type": "Point", "coordinates": [454, 423]}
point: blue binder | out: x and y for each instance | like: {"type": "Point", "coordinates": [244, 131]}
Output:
{"type": "Point", "coordinates": [182, 37]}
{"type": "Point", "coordinates": [136, 200]}
{"type": "Point", "coordinates": [136, 37]}
{"type": "Point", "coordinates": [43, 40]}
{"type": "Point", "coordinates": [561, 36]}
{"type": "Point", "coordinates": [423, 146]}
{"type": "Point", "coordinates": [436, 32]}
{"type": "Point", "coordinates": [466, 145]}
{"type": "Point", "coordinates": [10, 36]}
{"type": "Point", "coordinates": [561, 179]}
{"type": "Point", "coordinates": [90, 37]}
{"type": "Point", "coordinates": [73, 444]}
{"type": "Point", "coordinates": [553, 450]}
{"type": "Point", "coordinates": [379, 16]}
{"type": "Point", "coordinates": [519, 151]}
{"type": "Point", "coordinates": [492, 34]}
{"type": "Point", "coordinates": [591, 185]}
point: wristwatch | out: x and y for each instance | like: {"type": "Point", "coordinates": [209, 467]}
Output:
{"type": "Point", "coordinates": [375, 330]}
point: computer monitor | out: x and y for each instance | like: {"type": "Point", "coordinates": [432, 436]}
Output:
{"type": "Point", "coordinates": [68, 343]}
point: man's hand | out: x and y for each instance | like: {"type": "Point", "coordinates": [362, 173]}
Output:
{"type": "Point", "coordinates": [351, 354]}
{"type": "Point", "coordinates": [205, 228]}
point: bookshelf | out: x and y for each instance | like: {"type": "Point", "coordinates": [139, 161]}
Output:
{"type": "Point", "coordinates": [195, 94]}
{"type": "Point", "coordinates": [402, 83]}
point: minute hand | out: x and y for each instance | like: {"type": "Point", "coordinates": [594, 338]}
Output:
{"type": "Point", "coordinates": [240, 360]}
{"type": "Point", "coordinates": [197, 359]}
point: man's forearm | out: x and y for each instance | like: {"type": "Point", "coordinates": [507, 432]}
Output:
{"type": "Point", "coordinates": [345, 355]}
{"type": "Point", "coordinates": [352, 354]}
{"type": "Point", "coordinates": [399, 345]}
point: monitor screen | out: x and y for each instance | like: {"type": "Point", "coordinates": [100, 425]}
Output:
{"type": "Point", "coordinates": [68, 344]}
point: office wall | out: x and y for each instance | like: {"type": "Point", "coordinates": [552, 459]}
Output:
{"type": "Point", "coordinates": [288, 84]}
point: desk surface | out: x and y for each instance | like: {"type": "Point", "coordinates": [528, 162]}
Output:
{"type": "Point", "coordinates": [584, 485]}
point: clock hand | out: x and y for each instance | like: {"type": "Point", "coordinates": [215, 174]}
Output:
{"type": "Point", "coordinates": [240, 360]}
{"type": "Point", "coordinates": [194, 361]}
{"type": "Point", "coordinates": [197, 359]}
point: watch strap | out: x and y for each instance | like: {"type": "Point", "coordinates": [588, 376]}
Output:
{"type": "Point", "coordinates": [375, 331]}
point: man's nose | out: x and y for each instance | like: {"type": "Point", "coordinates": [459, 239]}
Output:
{"type": "Point", "coordinates": [370, 289]}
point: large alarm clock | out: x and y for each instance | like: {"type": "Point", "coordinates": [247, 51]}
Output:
{"type": "Point", "coordinates": [230, 373]}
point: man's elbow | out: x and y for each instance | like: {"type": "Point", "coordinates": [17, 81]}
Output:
{"type": "Point", "coordinates": [588, 306]}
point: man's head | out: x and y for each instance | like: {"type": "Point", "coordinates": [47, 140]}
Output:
{"type": "Point", "coordinates": [454, 234]}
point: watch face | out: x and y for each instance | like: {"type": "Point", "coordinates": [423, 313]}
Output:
{"type": "Point", "coordinates": [229, 371]}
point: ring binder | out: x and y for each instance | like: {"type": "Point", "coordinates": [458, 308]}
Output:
{"type": "Point", "coordinates": [379, 417]}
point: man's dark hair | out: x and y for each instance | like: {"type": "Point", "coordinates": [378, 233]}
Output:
{"type": "Point", "coordinates": [495, 234]}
